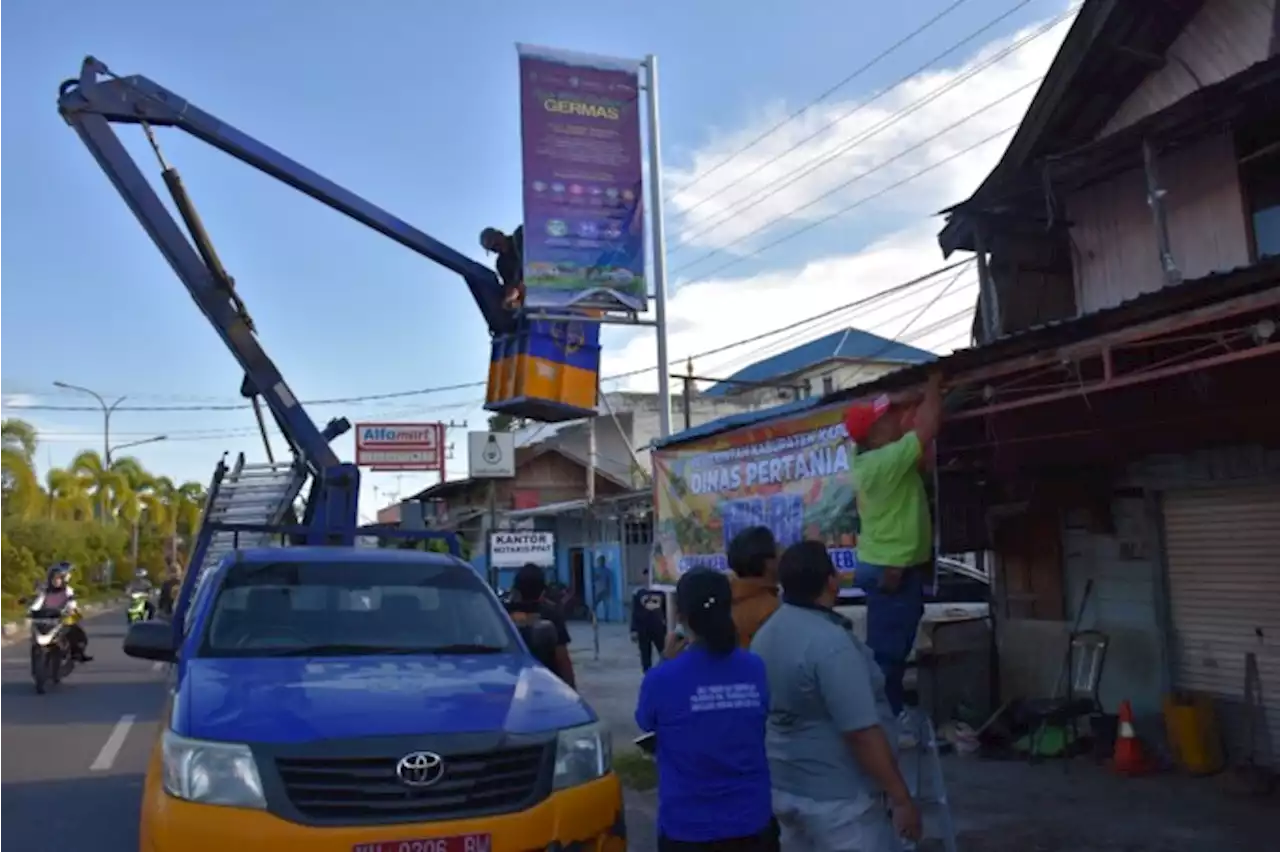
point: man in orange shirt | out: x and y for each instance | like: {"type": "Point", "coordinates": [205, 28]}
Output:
{"type": "Point", "coordinates": [753, 559]}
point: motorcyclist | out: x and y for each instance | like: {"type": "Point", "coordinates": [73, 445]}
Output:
{"type": "Point", "coordinates": [57, 594]}
{"type": "Point", "coordinates": [169, 592]}
{"type": "Point", "coordinates": [141, 585]}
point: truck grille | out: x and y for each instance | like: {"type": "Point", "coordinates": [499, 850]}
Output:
{"type": "Point", "coordinates": [367, 789]}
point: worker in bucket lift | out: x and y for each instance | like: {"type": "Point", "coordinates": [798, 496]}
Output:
{"type": "Point", "coordinates": [893, 439]}
{"type": "Point", "coordinates": [510, 251]}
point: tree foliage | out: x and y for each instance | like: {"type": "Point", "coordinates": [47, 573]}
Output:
{"type": "Point", "coordinates": [97, 516]}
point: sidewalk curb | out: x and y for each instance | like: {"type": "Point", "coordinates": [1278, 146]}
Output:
{"type": "Point", "coordinates": [13, 629]}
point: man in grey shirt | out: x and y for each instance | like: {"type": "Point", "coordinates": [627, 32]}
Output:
{"type": "Point", "coordinates": [836, 784]}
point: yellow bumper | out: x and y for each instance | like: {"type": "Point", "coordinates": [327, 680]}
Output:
{"type": "Point", "coordinates": [587, 818]}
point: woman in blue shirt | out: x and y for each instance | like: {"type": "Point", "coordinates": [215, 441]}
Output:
{"type": "Point", "coordinates": [708, 708]}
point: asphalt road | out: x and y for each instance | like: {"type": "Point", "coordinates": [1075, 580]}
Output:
{"type": "Point", "coordinates": [73, 759]}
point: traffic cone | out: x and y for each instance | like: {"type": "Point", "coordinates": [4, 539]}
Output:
{"type": "Point", "coordinates": [1129, 758]}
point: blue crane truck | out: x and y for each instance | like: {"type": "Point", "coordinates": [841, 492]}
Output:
{"type": "Point", "coordinates": [324, 696]}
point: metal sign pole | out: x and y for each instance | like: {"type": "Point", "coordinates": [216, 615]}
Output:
{"type": "Point", "coordinates": [658, 236]}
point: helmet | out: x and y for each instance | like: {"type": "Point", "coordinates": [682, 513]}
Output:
{"type": "Point", "coordinates": [62, 569]}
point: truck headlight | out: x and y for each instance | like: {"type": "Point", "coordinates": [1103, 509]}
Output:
{"type": "Point", "coordinates": [211, 773]}
{"type": "Point", "coordinates": [582, 754]}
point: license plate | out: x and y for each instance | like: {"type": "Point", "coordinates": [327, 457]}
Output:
{"type": "Point", "coordinates": [457, 843]}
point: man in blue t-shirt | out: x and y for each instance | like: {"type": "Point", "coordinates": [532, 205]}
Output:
{"type": "Point", "coordinates": [708, 707]}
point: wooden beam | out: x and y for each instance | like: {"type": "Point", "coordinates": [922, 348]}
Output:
{"type": "Point", "coordinates": [1133, 334]}
{"type": "Point", "coordinates": [1122, 381]}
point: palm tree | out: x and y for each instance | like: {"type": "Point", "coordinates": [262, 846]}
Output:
{"type": "Point", "coordinates": [21, 487]}
{"type": "Point", "coordinates": [178, 513]}
{"type": "Point", "coordinates": [188, 509]}
{"type": "Point", "coordinates": [109, 486]}
{"type": "Point", "coordinates": [132, 497]}
{"type": "Point", "coordinates": [68, 498]}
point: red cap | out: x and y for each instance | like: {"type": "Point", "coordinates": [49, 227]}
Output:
{"type": "Point", "coordinates": [859, 419]}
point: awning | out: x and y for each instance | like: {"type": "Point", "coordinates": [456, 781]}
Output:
{"type": "Point", "coordinates": [564, 507]}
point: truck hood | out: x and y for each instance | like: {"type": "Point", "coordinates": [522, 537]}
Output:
{"type": "Point", "coordinates": [298, 700]}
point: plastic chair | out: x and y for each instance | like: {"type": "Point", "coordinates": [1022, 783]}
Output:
{"type": "Point", "coordinates": [1086, 656]}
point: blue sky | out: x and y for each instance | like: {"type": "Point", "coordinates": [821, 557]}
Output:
{"type": "Point", "coordinates": [414, 106]}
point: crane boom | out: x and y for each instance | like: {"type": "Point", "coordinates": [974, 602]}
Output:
{"type": "Point", "coordinates": [94, 101]}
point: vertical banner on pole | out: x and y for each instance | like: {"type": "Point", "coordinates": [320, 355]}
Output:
{"type": "Point", "coordinates": [584, 235]}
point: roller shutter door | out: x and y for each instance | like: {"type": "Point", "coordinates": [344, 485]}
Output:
{"type": "Point", "coordinates": [1223, 551]}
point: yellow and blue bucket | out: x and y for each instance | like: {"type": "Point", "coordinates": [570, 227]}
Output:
{"type": "Point", "coordinates": [547, 370]}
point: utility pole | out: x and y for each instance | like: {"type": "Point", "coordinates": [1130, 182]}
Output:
{"type": "Point", "coordinates": [488, 533]}
{"type": "Point", "coordinates": [688, 395]}
{"type": "Point", "coordinates": [658, 235]}
{"type": "Point", "coordinates": [592, 461]}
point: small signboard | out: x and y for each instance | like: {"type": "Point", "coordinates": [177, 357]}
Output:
{"type": "Point", "coordinates": [514, 549]}
{"type": "Point", "coordinates": [491, 455]}
{"type": "Point", "coordinates": [400, 446]}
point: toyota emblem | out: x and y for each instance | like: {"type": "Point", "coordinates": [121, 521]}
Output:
{"type": "Point", "coordinates": [420, 768]}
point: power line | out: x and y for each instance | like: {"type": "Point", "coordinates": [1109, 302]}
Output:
{"type": "Point", "coordinates": [843, 210]}
{"type": "Point", "coordinates": [820, 161]}
{"type": "Point", "coordinates": [866, 300]}
{"type": "Point", "coordinates": [883, 164]}
{"type": "Point", "coordinates": [915, 337]}
{"type": "Point", "coordinates": [858, 107]}
{"type": "Point", "coordinates": [815, 101]}
{"type": "Point", "coordinates": [197, 435]}
{"type": "Point", "coordinates": [835, 323]}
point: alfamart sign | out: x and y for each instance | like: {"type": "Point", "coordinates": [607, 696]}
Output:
{"type": "Point", "coordinates": [401, 446]}
{"type": "Point", "coordinates": [515, 549]}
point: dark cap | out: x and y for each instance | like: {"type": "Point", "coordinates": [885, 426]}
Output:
{"type": "Point", "coordinates": [489, 235]}
{"type": "Point", "coordinates": [703, 589]}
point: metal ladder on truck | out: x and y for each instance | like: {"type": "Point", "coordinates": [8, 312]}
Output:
{"type": "Point", "coordinates": [253, 494]}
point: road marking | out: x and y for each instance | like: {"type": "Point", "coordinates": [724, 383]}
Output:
{"type": "Point", "coordinates": [157, 666]}
{"type": "Point", "coordinates": [111, 748]}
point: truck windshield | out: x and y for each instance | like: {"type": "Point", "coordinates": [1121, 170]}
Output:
{"type": "Point", "coordinates": [353, 608]}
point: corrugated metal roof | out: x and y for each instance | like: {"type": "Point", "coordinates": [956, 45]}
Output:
{"type": "Point", "coordinates": [851, 344]}
{"type": "Point", "coordinates": [1087, 81]}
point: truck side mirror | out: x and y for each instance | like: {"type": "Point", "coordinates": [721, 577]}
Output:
{"type": "Point", "coordinates": [151, 640]}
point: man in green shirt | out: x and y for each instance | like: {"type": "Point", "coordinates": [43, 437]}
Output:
{"type": "Point", "coordinates": [895, 542]}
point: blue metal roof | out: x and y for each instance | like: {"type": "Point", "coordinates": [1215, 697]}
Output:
{"type": "Point", "coordinates": [734, 421]}
{"type": "Point", "coordinates": [851, 344]}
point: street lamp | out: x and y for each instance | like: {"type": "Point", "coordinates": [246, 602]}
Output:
{"type": "Point", "coordinates": [125, 446]}
{"type": "Point", "coordinates": [106, 416]}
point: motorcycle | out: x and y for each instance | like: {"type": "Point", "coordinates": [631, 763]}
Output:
{"type": "Point", "coordinates": [139, 608]}
{"type": "Point", "coordinates": [51, 659]}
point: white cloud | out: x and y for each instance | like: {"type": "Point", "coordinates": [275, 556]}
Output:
{"type": "Point", "coordinates": [706, 313]}
{"type": "Point", "coordinates": [771, 188]}
{"type": "Point", "coordinates": [717, 313]}
{"type": "Point", "coordinates": [22, 400]}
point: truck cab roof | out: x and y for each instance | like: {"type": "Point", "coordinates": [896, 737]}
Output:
{"type": "Point", "coordinates": [298, 644]}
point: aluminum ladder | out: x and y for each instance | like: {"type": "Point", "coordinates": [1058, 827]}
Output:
{"type": "Point", "coordinates": [248, 494]}
{"type": "Point", "coordinates": [921, 767]}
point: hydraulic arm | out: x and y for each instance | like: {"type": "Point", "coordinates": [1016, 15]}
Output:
{"type": "Point", "coordinates": [98, 98]}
